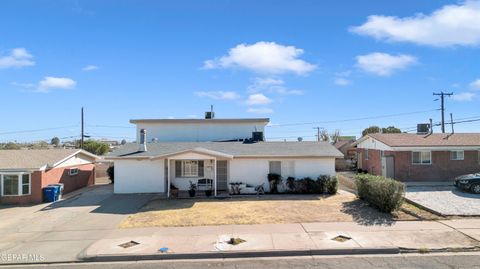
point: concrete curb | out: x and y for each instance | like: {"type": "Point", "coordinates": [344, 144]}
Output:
{"type": "Point", "coordinates": [241, 254]}
{"type": "Point", "coordinates": [424, 208]}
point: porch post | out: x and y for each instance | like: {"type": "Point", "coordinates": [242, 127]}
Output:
{"type": "Point", "coordinates": [168, 178]}
{"type": "Point", "coordinates": [215, 177]}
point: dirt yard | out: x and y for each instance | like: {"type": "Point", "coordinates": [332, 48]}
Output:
{"type": "Point", "coordinates": [259, 210]}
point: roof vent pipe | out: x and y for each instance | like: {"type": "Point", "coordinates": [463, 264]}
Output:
{"type": "Point", "coordinates": [143, 140]}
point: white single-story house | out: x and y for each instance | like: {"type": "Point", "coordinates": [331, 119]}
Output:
{"type": "Point", "coordinates": [154, 167]}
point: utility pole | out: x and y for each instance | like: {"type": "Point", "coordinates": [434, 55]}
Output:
{"type": "Point", "coordinates": [83, 134]}
{"type": "Point", "coordinates": [318, 133]}
{"type": "Point", "coordinates": [442, 108]}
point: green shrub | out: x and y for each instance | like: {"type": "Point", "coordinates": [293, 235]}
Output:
{"type": "Point", "coordinates": [383, 193]}
{"type": "Point", "coordinates": [111, 173]}
{"type": "Point", "coordinates": [274, 180]}
{"type": "Point", "coordinates": [290, 184]}
{"type": "Point", "coordinates": [332, 185]}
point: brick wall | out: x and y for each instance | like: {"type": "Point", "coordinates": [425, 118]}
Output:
{"type": "Point", "coordinates": [441, 169]}
{"type": "Point", "coordinates": [40, 179]}
{"type": "Point", "coordinates": [374, 162]}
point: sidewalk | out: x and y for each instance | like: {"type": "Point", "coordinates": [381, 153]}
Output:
{"type": "Point", "coordinates": [285, 240]}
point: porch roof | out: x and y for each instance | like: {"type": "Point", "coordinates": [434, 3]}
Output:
{"type": "Point", "coordinates": [234, 149]}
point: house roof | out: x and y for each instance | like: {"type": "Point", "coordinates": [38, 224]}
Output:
{"type": "Point", "coordinates": [341, 143]}
{"type": "Point", "coordinates": [36, 159]}
{"type": "Point", "coordinates": [234, 149]}
{"type": "Point", "coordinates": [433, 140]}
{"type": "Point", "coordinates": [245, 120]}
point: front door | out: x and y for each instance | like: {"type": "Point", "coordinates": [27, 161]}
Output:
{"type": "Point", "coordinates": [388, 169]}
{"type": "Point", "coordinates": [222, 175]}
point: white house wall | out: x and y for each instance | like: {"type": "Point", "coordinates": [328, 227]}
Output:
{"type": "Point", "coordinates": [146, 176]}
{"type": "Point", "coordinates": [78, 159]}
{"type": "Point", "coordinates": [371, 143]}
{"type": "Point", "coordinates": [198, 132]}
{"type": "Point", "coordinates": [255, 171]}
{"type": "Point", "coordinates": [139, 176]}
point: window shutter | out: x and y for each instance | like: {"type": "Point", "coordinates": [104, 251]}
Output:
{"type": "Point", "coordinates": [178, 168]}
{"type": "Point", "coordinates": [200, 169]}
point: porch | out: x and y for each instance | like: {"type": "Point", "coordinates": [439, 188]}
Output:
{"type": "Point", "coordinates": [206, 169]}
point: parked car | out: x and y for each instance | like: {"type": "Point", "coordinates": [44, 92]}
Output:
{"type": "Point", "coordinates": [469, 182]}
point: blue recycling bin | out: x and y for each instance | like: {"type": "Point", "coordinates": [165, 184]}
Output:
{"type": "Point", "coordinates": [50, 193]}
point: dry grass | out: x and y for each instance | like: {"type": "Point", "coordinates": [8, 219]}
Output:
{"type": "Point", "coordinates": [256, 210]}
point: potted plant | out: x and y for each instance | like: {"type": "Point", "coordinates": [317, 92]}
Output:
{"type": "Point", "coordinates": [173, 191]}
{"type": "Point", "coordinates": [208, 192]}
{"type": "Point", "coordinates": [192, 189]}
{"type": "Point", "coordinates": [274, 180]}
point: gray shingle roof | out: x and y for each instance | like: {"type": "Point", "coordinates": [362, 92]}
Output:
{"type": "Point", "coordinates": [236, 149]}
{"type": "Point", "coordinates": [34, 158]}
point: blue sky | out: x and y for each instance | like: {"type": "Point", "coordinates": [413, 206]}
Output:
{"type": "Point", "coordinates": [312, 62]}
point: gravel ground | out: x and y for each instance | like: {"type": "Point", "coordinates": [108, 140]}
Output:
{"type": "Point", "coordinates": [446, 200]}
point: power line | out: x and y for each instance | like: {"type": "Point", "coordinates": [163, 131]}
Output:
{"type": "Point", "coordinates": [39, 130]}
{"type": "Point", "coordinates": [353, 119]}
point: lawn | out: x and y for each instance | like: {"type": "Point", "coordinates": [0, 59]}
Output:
{"type": "Point", "coordinates": [258, 210]}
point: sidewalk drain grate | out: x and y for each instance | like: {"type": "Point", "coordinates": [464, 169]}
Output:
{"type": "Point", "coordinates": [129, 244]}
{"type": "Point", "coordinates": [341, 238]}
{"type": "Point", "coordinates": [236, 241]}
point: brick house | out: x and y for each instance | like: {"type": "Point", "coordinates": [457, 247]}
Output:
{"type": "Point", "coordinates": [419, 157]}
{"type": "Point", "coordinates": [23, 173]}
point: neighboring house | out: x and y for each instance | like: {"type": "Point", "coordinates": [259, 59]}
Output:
{"type": "Point", "coordinates": [178, 163]}
{"type": "Point", "coordinates": [418, 157]}
{"type": "Point", "coordinates": [23, 173]}
{"type": "Point", "coordinates": [149, 167]}
{"type": "Point", "coordinates": [345, 146]}
{"type": "Point", "coordinates": [199, 130]}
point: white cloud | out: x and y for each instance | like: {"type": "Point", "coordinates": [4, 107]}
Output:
{"type": "Point", "coordinates": [475, 84]}
{"type": "Point", "coordinates": [258, 99]}
{"type": "Point", "coordinates": [56, 83]}
{"type": "Point", "coordinates": [218, 95]}
{"type": "Point", "coordinates": [463, 97]}
{"type": "Point", "coordinates": [342, 81]}
{"type": "Point", "coordinates": [263, 57]}
{"type": "Point", "coordinates": [383, 64]}
{"type": "Point", "coordinates": [18, 57]}
{"type": "Point", "coordinates": [271, 85]}
{"type": "Point", "coordinates": [90, 68]}
{"type": "Point", "coordinates": [262, 110]}
{"type": "Point", "coordinates": [451, 25]}
{"type": "Point", "coordinates": [22, 85]}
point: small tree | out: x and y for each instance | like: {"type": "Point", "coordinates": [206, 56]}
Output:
{"type": "Point", "coordinates": [123, 142]}
{"type": "Point", "coordinates": [96, 147]}
{"type": "Point", "coordinates": [391, 130]}
{"type": "Point", "coordinates": [11, 145]}
{"type": "Point", "coordinates": [55, 141]}
{"type": "Point", "coordinates": [324, 136]}
{"type": "Point", "coordinates": [371, 130]}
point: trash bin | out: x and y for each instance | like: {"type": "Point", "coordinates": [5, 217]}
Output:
{"type": "Point", "coordinates": [50, 193]}
{"type": "Point", "coordinates": [60, 186]}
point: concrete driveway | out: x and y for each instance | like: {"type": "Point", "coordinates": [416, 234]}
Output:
{"type": "Point", "coordinates": [446, 200]}
{"type": "Point", "coordinates": [61, 230]}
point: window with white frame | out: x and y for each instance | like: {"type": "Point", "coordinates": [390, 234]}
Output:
{"type": "Point", "coordinates": [73, 171]}
{"type": "Point", "coordinates": [189, 168]}
{"type": "Point", "coordinates": [457, 155]}
{"type": "Point", "coordinates": [15, 184]}
{"type": "Point", "coordinates": [421, 157]}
